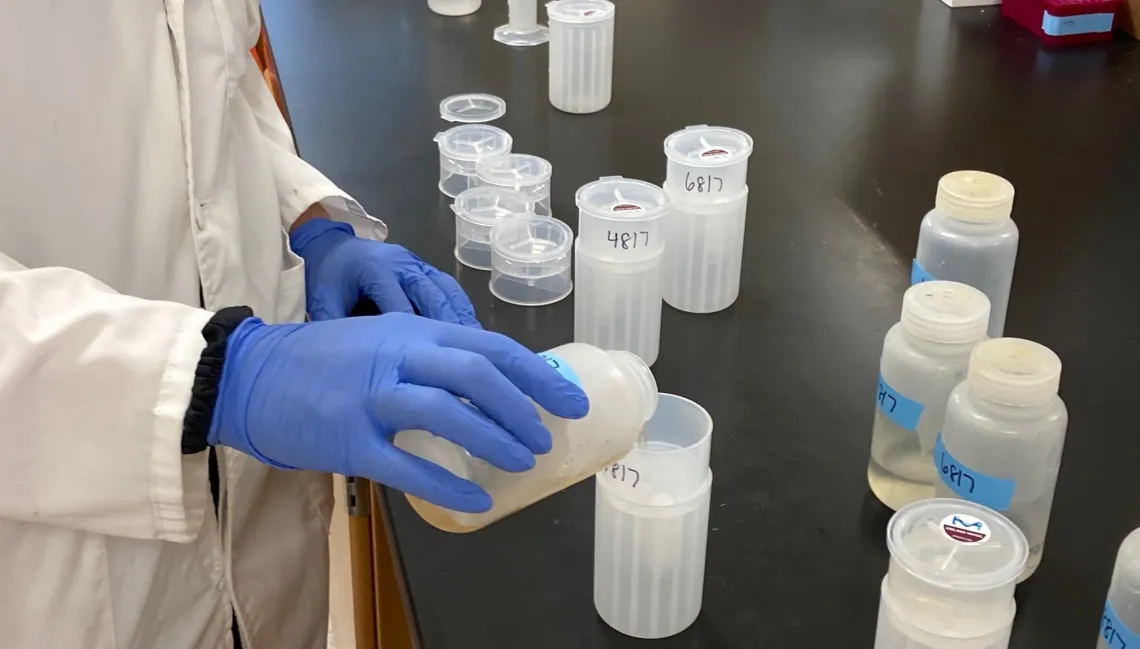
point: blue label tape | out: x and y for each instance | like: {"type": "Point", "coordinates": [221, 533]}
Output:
{"type": "Point", "coordinates": [972, 485]}
{"type": "Point", "coordinates": [562, 366]}
{"type": "Point", "coordinates": [919, 275]}
{"type": "Point", "coordinates": [1072, 25]}
{"type": "Point", "coordinates": [1116, 634]}
{"type": "Point", "coordinates": [902, 410]}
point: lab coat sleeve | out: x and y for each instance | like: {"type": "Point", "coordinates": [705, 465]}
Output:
{"type": "Point", "coordinates": [93, 389]}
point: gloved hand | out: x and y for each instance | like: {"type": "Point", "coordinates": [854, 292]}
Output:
{"type": "Point", "coordinates": [341, 268]}
{"type": "Point", "coordinates": [330, 396]}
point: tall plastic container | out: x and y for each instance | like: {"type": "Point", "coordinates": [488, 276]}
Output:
{"type": "Point", "coordinates": [1004, 433]}
{"type": "Point", "coordinates": [970, 238]}
{"type": "Point", "coordinates": [527, 174]}
{"type": "Point", "coordinates": [953, 570]}
{"type": "Point", "coordinates": [651, 525]}
{"type": "Point", "coordinates": [460, 150]}
{"type": "Point", "coordinates": [925, 357]}
{"type": "Point", "coordinates": [522, 28]}
{"type": "Point", "coordinates": [530, 261]}
{"type": "Point", "coordinates": [621, 244]}
{"type": "Point", "coordinates": [623, 396]}
{"type": "Point", "coordinates": [454, 7]}
{"type": "Point", "coordinates": [703, 254]}
{"type": "Point", "coordinates": [1120, 623]}
{"type": "Point", "coordinates": [707, 164]}
{"type": "Point", "coordinates": [581, 54]}
{"type": "Point", "coordinates": [477, 211]}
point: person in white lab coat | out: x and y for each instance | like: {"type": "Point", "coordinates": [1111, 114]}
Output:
{"type": "Point", "coordinates": [158, 239]}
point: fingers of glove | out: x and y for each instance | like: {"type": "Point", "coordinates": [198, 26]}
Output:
{"type": "Point", "coordinates": [423, 479]}
{"type": "Point", "coordinates": [412, 407]}
{"type": "Point", "coordinates": [456, 296]}
{"type": "Point", "coordinates": [325, 304]}
{"type": "Point", "coordinates": [382, 288]}
{"type": "Point", "coordinates": [471, 376]}
{"type": "Point", "coordinates": [426, 296]}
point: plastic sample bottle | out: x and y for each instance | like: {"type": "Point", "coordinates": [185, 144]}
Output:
{"type": "Point", "coordinates": [953, 570]}
{"type": "Point", "coordinates": [623, 396]}
{"type": "Point", "coordinates": [1120, 624]}
{"type": "Point", "coordinates": [924, 358]}
{"type": "Point", "coordinates": [477, 211]}
{"type": "Point", "coordinates": [969, 237]}
{"type": "Point", "coordinates": [581, 55]}
{"type": "Point", "coordinates": [1004, 432]}
{"type": "Point", "coordinates": [530, 260]}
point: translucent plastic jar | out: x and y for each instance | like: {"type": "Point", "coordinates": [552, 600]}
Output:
{"type": "Point", "coordinates": [703, 254]}
{"type": "Point", "coordinates": [526, 174]}
{"type": "Point", "coordinates": [924, 358]}
{"type": "Point", "coordinates": [477, 211]}
{"type": "Point", "coordinates": [1004, 433]}
{"type": "Point", "coordinates": [623, 396]}
{"type": "Point", "coordinates": [581, 54]}
{"type": "Point", "coordinates": [707, 164]}
{"type": "Point", "coordinates": [1120, 624]}
{"type": "Point", "coordinates": [969, 237]}
{"type": "Point", "coordinates": [530, 261]}
{"type": "Point", "coordinates": [460, 150]}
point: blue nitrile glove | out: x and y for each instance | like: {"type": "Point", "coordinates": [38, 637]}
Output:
{"type": "Point", "coordinates": [341, 268]}
{"type": "Point", "coordinates": [330, 396]}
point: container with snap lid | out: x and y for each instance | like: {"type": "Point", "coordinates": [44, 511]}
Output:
{"type": "Point", "coordinates": [477, 211]}
{"type": "Point", "coordinates": [924, 358]}
{"type": "Point", "coordinates": [954, 567]}
{"type": "Point", "coordinates": [703, 253]}
{"type": "Point", "coordinates": [1003, 436]}
{"type": "Point", "coordinates": [530, 260]}
{"type": "Point", "coordinates": [707, 164]}
{"type": "Point", "coordinates": [472, 108]}
{"type": "Point", "coordinates": [527, 174]}
{"type": "Point", "coordinates": [581, 54]}
{"type": "Point", "coordinates": [460, 150]}
{"type": "Point", "coordinates": [969, 237]}
{"type": "Point", "coordinates": [522, 28]}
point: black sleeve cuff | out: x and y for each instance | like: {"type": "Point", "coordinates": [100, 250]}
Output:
{"type": "Point", "coordinates": [204, 394]}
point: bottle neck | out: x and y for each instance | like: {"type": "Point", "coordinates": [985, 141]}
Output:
{"type": "Point", "coordinates": [988, 405]}
{"type": "Point", "coordinates": [640, 379]}
{"type": "Point", "coordinates": [963, 226]}
{"type": "Point", "coordinates": [936, 348]}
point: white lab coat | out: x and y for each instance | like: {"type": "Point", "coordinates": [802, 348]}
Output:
{"type": "Point", "coordinates": [141, 159]}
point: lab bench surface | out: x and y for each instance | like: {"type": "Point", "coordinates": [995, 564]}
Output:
{"type": "Point", "coordinates": [856, 108]}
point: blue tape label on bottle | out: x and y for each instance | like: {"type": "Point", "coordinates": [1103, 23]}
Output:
{"type": "Point", "coordinates": [1072, 25]}
{"type": "Point", "coordinates": [919, 275]}
{"type": "Point", "coordinates": [1116, 634]}
{"type": "Point", "coordinates": [970, 484]}
{"type": "Point", "coordinates": [900, 409]}
{"type": "Point", "coordinates": [562, 366]}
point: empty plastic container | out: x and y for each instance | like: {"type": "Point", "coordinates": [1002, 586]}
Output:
{"type": "Point", "coordinates": [528, 174]}
{"type": "Point", "coordinates": [1120, 623]}
{"type": "Point", "coordinates": [460, 150]}
{"type": "Point", "coordinates": [477, 211]}
{"type": "Point", "coordinates": [1004, 432]}
{"type": "Point", "coordinates": [623, 396]}
{"type": "Point", "coordinates": [454, 7]}
{"type": "Point", "coordinates": [707, 164]}
{"type": "Point", "coordinates": [530, 261]}
{"type": "Point", "coordinates": [969, 237]}
{"type": "Point", "coordinates": [925, 357]}
{"type": "Point", "coordinates": [620, 248]}
{"type": "Point", "coordinates": [522, 28]}
{"type": "Point", "coordinates": [472, 108]}
{"type": "Point", "coordinates": [703, 253]}
{"type": "Point", "coordinates": [581, 55]}
{"type": "Point", "coordinates": [651, 525]}
{"type": "Point", "coordinates": [953, 570]}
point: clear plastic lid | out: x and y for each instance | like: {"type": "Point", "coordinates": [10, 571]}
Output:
{"type": "Point", "coordinates": [1014, 372]}
{"type": "Point", "coordinates": [614, 197]}
{"type": "Point", "coordinates": [957, 545]}
{"type": "Point", "coordinates": [708, 146]}
{"type": "Point", "coordinates": [473, 141]}
{"type": "Point", "coordinates": [975, 196]}
{"type": "Point", "coordinates": [472, 108]}
{"type": "Point", "coordinates": [580, 11]}
{"type": "Point", "coordinates": [532, 239]}
{"type": "Point", "coordinates": [945, 312]}
{"type": "Point", "coordinates": [514, 170]}
{"type": "Point", "coordinates": [489, 205]}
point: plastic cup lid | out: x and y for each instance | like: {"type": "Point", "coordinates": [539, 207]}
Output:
{"type": "Point", "coordinates": [472, 108]}
{"type": "Point", "coordinates": [532, 239]}
{"type": "Point", "coordinates": [580, 11]}
{"type": "Point", "coordinates": [622, 199]}
{"type": "Point", "coordinates": [975, 196]}
{"type": "Point", "coordinates": [489, 205]}
{"type": "Point", "coordinates": [473, 141]}
{"type": "Point", "coordinates": [1014, 372]}
{"type": "Point", "coordinates": [956, 544]}
{"type": "Point", "coordinates": [946, 312]}
{"type": "Point", "coordinates": [708, 146]}
{"type": "Point", "coordinates": [514, 170]}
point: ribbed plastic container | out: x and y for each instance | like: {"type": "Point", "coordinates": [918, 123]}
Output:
{"type": "Point", "coordinates": [454, 7]}
{"type": "Point", "coordinates": [707, 164]}
{"type": "Point", "coordinates": [460, 150]}
{"type": "Point", "coordinates": [477, 211]}
{"type": "Point", "coordinates": [530, 261]}
{"type": "Point", "coordinates": [581, 54]}
{"type": "Point", "coordinates": [524, 173]}
{"type": "Point", "coordinates": [651, 525]}
{"type": "Point", "coordinates": [1120, 623]}
{"type": "Point", "coordinates": [703, 253]}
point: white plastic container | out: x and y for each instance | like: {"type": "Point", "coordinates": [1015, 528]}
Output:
{"type": "Point", "coordinates": [620, 248]}
{"type": "Point", "coordinates": [581, 54]}
{"type": "Point", "coordinates": [472, 108]}
{"type": "Point", "coordinates": [477, 211]}
{"type": "Point", "coordinates": [707, 164]}
{"type": "Point", "coordinates": [969, 237]}
{"type": "Point", "coordinates": [522, 28]}
{"type": "Point", "coordinates": [623, 396]}
{"type": "Point", "coordinates": [454, 7]}
{"type": "Point", "coordinates": [460, 150]}
{"type": "Point", "coordinates": [530, 261]}
{"type": "Point", "coordinates": [953, 570]}
{"type": "Point", "coordinates": [1120, 623]}
{"type": "Point", "coordinates": [925, 357]}
{"type": "Point", "coordinates": [524, 173]}
{"type": "Point", "coordinates": [703, 253]}
{"type": "Point", "coordinates": [1004, 432]}
{"type": "Point", "coordinates": [651, 525]}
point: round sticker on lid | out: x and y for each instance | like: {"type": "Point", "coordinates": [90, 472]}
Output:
{"type": "Point", "coordinates": [715, 153]}
{"type": "Point", "coordinates": [964, 528]}
{"type": "Point", "coordinates": [627, 207]}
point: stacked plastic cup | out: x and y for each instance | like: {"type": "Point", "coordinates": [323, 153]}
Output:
{"type": "Point", "coordinates": [460, 150]}
{"type": "Point", "coordinates": [477, 211]}
{"type": "Point", "coordinates": [526, 174]}
{"type": "Point", "coordinates": [707, 183]}
{"type": "Point", "coordinates": [581, 54]}
{"type": "Point", "coordinates": [530, 260]}
{"type": "Point", "coordinates": [651, 525]}
{"type": "Point", "coordinates": [619, 252]}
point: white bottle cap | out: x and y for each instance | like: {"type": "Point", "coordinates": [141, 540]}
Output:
{"type": "Point", "coordinates": [974, 196]}
{"type": "Point", "coordinates": [1014, 372]}
{"type": "Point", "coordinates": [945, 312]}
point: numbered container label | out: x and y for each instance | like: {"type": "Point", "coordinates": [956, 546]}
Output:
{"type": "Point", "coordinates": [900, 409]}
{"type": "Point", "coordinates": [563, 368]}
{"type": "Point", "coordinates": [629, 239]}
{"type": "Point", "coordinates": [919, 275]}
{"type": "Point", "coordinates": [970, 484]}
{"type": "Point", "coordinates": [1116, 634]}
{"type": "Point", "coordinates": [704, 183]}
{"type": "Point", "coordinates": [622, 473]}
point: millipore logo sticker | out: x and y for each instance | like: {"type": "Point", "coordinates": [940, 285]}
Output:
{"type": "Point", "coordinates": [964, 528]}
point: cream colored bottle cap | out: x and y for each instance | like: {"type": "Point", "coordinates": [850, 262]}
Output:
{"type": "Point", "coordinates": [1014, 372]}
{"type": "Point", "coordinates": [974, 196]}
{"type": "Point", "coordinates": [945, 312]}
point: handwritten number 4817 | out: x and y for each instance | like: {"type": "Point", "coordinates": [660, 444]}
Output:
{"type": "Point", "coordinates": [703, 184]}
{"type": "Point", "coordinates": [627, 240]}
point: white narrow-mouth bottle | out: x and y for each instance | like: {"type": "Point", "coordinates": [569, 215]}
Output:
{"type": "Point", "coordinates": [1120, 623]}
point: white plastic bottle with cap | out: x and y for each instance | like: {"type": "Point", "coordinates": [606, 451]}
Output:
{"type": "Point", "coordinates": [1120, 623]}
{"type": "Point", "coordinates": [581, 54]}
{"type": "Point", "coordinates": [924, 358]}
{"type": "Point", "coordinates": [969, 237]}
{"type": "Point", "coordinates": [1004, 433]}
{"type": "Point", "coordinates": [623, 396]}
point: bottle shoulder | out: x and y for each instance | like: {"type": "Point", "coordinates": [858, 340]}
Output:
{"type": "Point", "coordinates": [939, 226]}
{"type": "Point", "coordinates": [967, 408]}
